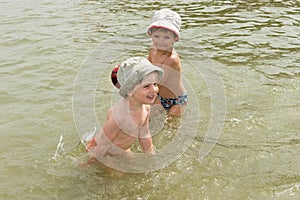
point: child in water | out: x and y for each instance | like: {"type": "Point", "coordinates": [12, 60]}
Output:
{"type": "Point", "coordinates": [164, 32]}
{"type": "Point", "coordinates": [128, 119]}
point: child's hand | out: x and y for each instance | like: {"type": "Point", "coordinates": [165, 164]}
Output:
{"type": "Point", "coordinates": [87, 164]}
{"type": "Point", "coordinates": [84, 165]}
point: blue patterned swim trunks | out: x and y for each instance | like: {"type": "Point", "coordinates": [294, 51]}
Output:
{"type": "Point", "coordinates": [167, 103]}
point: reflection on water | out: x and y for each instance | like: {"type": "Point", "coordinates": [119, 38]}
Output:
{"type": "Point", "coordinates": [256, 46]}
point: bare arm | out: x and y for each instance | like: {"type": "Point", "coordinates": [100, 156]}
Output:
{"type": "Point", "coordinates": [174, 62]}
{"type": "Point", "coordinates": [145, 138]}
{"type": "Point", "coordinates": [146, 144]}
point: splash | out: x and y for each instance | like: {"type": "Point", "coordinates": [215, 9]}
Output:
{"type": "Point", "coordinates": [59, 149]}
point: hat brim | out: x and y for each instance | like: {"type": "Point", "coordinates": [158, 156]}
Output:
{"type": "Point", "coordinates": [164, 24]}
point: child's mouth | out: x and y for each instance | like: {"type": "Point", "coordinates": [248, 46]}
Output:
{"type": "Point", "coordinates": [151, 97]}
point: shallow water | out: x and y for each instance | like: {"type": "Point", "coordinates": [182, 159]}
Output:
{"type": "Point", "coordinates": [252, 46]}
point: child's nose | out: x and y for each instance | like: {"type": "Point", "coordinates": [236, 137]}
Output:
{"type": "Point", "coordinates": [155, 88]}
{"type": "Point", "coordinates": [161, 40]}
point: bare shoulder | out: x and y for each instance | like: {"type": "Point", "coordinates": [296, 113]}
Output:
{"type": "Point", "coordinates": [109, 114]}
{"type": "Point", "coordinates": [174, 61]}
{"type": "Point", "coordinates": [150, 55]}
{"type": "Point", "coordinates": [147, 108]}
{"type": "Point", "coordinates": [175, 58]}
{"type": "Point", "coordinates": [110, 120]}
{"type": "Point", "coordinates": [147, 112]}
{"type": "Point", "coordinates": [109, 111]}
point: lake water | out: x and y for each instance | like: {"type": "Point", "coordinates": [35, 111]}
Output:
{"type": "Point", "coordinates": [240, 65]}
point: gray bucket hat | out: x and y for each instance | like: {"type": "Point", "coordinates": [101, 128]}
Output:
{"type": "Point", "coordinates": [166, 18]}
{"type": "Point", "coordinates": [132, 71]}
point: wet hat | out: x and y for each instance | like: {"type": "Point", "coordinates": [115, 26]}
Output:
{"type": "Point", "coordinates": [132, 71]}
{"type": "Point", "coordinates": [166, 18]}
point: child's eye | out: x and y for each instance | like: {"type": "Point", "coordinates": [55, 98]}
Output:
{"type": "Point", "coordinates": [148, 85]}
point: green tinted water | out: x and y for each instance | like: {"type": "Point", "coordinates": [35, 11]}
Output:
{"type": "Point", "coordinates": [255, 46]}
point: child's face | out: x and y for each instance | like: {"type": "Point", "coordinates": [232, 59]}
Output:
{"type": "Point", "coordinates": [163, 39]}
{"type": "Point", "coordinates": [146, 91]}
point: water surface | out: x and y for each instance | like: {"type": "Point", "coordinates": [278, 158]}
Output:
{"type": "Point", "coordinates": [255, 49]}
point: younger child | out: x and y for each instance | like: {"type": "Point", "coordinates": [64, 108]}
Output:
{"type": "Point", "coordinates": [128, 119]}
{"type": "Point", "coordinates": [164, 32]}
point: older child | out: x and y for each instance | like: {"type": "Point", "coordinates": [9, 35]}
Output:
{"type": "Point", "coordinates": [164, 32]}
{"type": "Point", "coordinates": [128, 119]}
